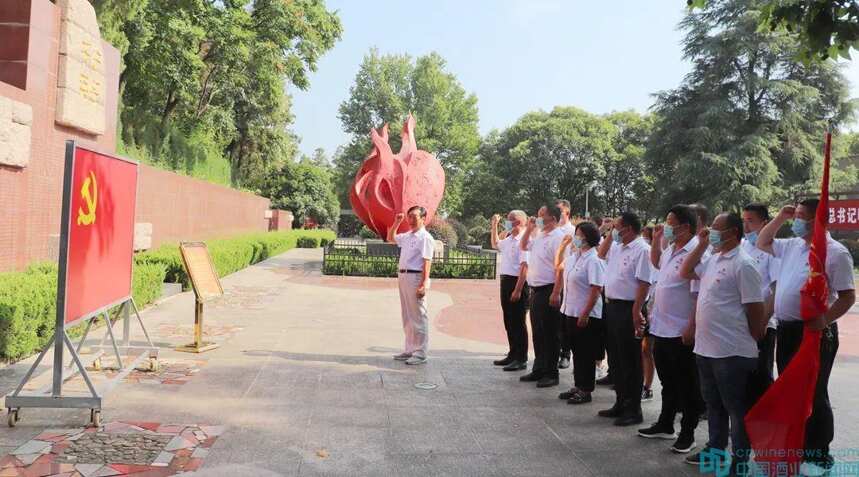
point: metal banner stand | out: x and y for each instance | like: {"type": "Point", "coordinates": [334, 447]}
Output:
{"type": "Point", "coordinates": [52, 396]}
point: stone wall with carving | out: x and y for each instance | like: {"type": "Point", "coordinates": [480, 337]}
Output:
{"type": "Point", "coordinates": [16, 120]}
{"type": "Point", "coordinates": [80, 80]}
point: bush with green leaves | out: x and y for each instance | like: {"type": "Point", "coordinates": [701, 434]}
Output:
{"type": "Point", "coordinates": [366, 233]}
{"type": "Point", "coordinates": [352, 261]}
{"type": "Point", "coordinates": [308, 242]}
{"type": "Point", "coordinates": [441, 230]}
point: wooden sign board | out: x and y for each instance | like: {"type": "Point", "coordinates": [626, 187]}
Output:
{"type": "Point", "coordinates": [200, 268]}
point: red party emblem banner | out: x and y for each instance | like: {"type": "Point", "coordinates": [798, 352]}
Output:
{"type": "Point", "coordinates": [844, 214]}
{"type": "Point", "coordinates": [97, 235]}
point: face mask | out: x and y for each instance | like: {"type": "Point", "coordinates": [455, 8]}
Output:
{"type": "Point", "coordinates": [752, 237]}
{"type": "Point", "coordinates": [799, 227]}
{"type": "Point", "coordinates": [615, 235]}
{"type": "Point", "coordinates": [669, 233]}
{"type": "Point", "coordinates": [540, 223]}
{"type": "Point", "coordinates": [578, 242]}
{"type": "Point", "coordinates": [508, 226]}
{"type": "Point", "coordinates": [715, 238]}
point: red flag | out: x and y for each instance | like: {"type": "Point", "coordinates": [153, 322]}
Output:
{"type": "Point", "coordinates": [776, 424]}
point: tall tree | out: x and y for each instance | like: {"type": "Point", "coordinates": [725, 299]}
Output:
{"type": "Point", "coordinates": [386, 89]}
{"type": "Point", "coordinates": [747, 123]}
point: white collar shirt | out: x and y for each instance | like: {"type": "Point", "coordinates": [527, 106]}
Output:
{"type": "Point", "coordinates": [673, 298]}
{"type": "Point", "coordinates": [764, 263]}
{"type": "Point", "coordinates": [728, 281]}
{"type": "Point", "coordinates": [512, 255]}
{"type": "Point", "coordinates": [581, 272]}
{"type": "Point", "coordinates": [415, 247]}
{"type": "Point", "coordinates": [541, 257]}
{"type": "Point", "coordinates": [793, 273]}
{"type": "Point", "coordinates": [626, 266]}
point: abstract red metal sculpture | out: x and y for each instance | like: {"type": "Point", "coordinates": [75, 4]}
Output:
{"type": "Point", "coordinates": [387, 184]}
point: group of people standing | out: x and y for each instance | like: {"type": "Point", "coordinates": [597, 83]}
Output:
{"type": "Point", "coordinates": [712, 305]}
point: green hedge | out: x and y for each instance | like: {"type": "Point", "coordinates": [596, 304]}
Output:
{"type": "Point", "coordinates": [28, 299]}
{"type": "Point", "coordinates": [308, 242]}
{"type": "Point", "coordinates": [354, 262]}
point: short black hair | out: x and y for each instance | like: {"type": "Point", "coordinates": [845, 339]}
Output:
{"type": "Point", "coordinates": [685, 215]}
{"type": "Point", "coordinates": [421, 211]}
{"type": "Point", "coordinates": [554, 211]}
{"type": "Point", "coordinates": [761, 210]}
{"type": "Point", "coordinates": [630, 219]}
{"type": "Point", "coordinates": [734, 220]}
{"type": "Point", "coordinates": [701, 212]}
{"type": "Point", "coordinates": [591, 233]}
{"type": "Point", "coordinates": [811, 205]}
{"type": "Point", "coordinates": [596, 219]}
{"type": "Point", "coordinates": [563, 202]}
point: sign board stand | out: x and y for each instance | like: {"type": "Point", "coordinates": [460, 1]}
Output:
{"type": "Point", "coordinates": [96, 249]}
{"type": "Point", "coordinates": [204, 280]}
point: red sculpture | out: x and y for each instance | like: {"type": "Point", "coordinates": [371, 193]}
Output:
{"type": "Point", "coordinates": [388, 184]}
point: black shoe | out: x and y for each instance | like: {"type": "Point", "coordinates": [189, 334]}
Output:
{"type": "Point", "coordinates": [685, 443]}
{"type": "Point", "coordinates": [605, 381]}
{"type": "Point", "coordinates": [567, 394]}
{"type": "Point", "coordinates": [564, 363]}
{"type": "Point", "coordinates": [657, 431]}
{"type": "Point", "coordinates": [531, 377]}
{"type": "Point", "coordinates": [646, 395]}
{"type": "Point", "coordinates": [503, 362]}
{"type": "Point", "coordinates": [614, 411]}
{"type": "Point", "coordinates": [516, 366]}
{"type": "Point", "coordinates": [548, 382]}
{"type": "Point", "coordinates": [580, 397]}
{"type": "Point", "coordinates": [698, 457]}
{"type": "Point", "coordinates": [629, 419]}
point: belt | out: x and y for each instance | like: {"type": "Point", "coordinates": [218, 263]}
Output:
{"type": "Point", "coordinates": [615, 300]}
{"type": "Point", "coordinates": [411, 271]}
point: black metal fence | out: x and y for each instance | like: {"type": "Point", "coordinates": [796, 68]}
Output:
{"type": "Point", "coordinates": [354, 257]}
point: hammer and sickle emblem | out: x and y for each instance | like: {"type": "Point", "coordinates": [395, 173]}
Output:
{"type": "Point", "coordinates": [89, 193]}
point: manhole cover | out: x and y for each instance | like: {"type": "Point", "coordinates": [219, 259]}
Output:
{"type": "Point", "coordinates": [426, 385]}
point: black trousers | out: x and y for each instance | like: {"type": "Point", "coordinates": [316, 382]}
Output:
{"type": "Point", "coordinates": [563, 332]}
{"type": "Point", "coordinates": [763, 377]}
{"type": "Point", "coordinates": [677, 369]}
{"type": "Point", "coordinates": [820, 427]}
{"type": "Point", "coordinates": [624, 355]}
{"type": "Point", "coordinates": [514, 318]}
{"type": "Point", "coordinates": [584, 344]}
{"type": "Point", "coordinates": [545, 320]}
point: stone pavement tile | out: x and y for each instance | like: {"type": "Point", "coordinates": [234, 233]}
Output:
{"type": "Point", "coordinates": [442, 438]}
{"type": "Point", "coordinates": [413, 398]}
{"type": "Point", "coordinates": [626, 461]}
{"type": "Point", "coordinates": [367, 414]}
{"type": "Point", "coordinates": [529, 442]}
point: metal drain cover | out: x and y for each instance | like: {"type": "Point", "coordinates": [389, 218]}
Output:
{"type": "Point", "coordinates": [426, 386]}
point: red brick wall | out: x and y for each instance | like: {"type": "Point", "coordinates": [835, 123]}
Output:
{"type": "Point", "coordinates": [30, 197]}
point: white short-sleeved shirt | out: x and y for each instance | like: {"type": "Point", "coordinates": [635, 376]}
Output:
{"type": "Point", "coordinates": [569, 229]}
{"type": "Point", "coordinates": [541, 257]}
{"type": "Point", "coordinates": [512, 255]}
{"type": "Point", "coordinates": [763, 264]}
{"type": "Point", "coordinates": [581, 272]}
{"type": "Point", "coordinates": [673, 298]}
{"type": "Point", "coordinates": [728, 281]}
{"type": "Point", "coordinates": [793, 273]}
{"type": "Point", "coordinates": [626, 265]}
{"type": "Point", "coordinates": [415, 247]}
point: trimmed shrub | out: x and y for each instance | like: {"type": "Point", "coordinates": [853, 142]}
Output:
{"type": "Point", "coordinates": [28, 303]}
{"type": "Point", "coordinates": [366, 233]}
{"type": "Point", "coordinates": [441, 230]}
{"type": "Point", "coordinates": [308, 242]}
{"type": "Point", "coordinates": [349, 226]}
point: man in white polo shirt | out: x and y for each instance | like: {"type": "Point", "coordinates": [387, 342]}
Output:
{"type": "Point", "coordinates": [545, 318]}
{"type": "Point", "coordinates": [729, 321]}
{"type": "Point", "coordinates": [755, 216]}
{"type": "Point", "coordinates": [416, 251]}
{"type": "Point", "coordinates": [626, 285]}
{"type": "Point", "coordinates": [514, 290]}
{"type": "Point", "coordinates": [793, 273]}
{"type": "Point", "coordinates": [672, 325]}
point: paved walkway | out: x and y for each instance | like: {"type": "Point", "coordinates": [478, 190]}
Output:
{"type": "Point", "coordinates": [304, 384]}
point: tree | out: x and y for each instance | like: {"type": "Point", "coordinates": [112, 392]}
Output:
{"type": "Point", "coordinates": [825, 28]}
{"type": "Point", "coordinates": [747, 123]}
{"type": "Point", "coordinates": [540, 158]}
{"type": "Point", "coordinates": [386, 89]}
{"type": "Point", "coordinates": [629, 183]}
{"type": "Point", "coordinates": [306, 190]}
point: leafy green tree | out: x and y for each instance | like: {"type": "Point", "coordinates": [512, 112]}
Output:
{"type": "Point", "coordinates": [306, 190]}
{"type": "Point", "coordinates": [747, 123]}
{"type": "Point", "coordinates": [386, 89]}
{"type": "Point", "coordinates": [540, 158]}
{"type": "Point", "coordinates": [629, 183]}
{"type": "Point", "coordinates": [824, 28]}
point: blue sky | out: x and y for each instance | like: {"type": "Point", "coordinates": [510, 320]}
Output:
{"type": "Point", "coordinates": [516, 55]}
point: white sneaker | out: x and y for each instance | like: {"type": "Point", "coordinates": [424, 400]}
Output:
{"type": "Point", "coordinates": [402, 356]}
{"type": "Point", "coordinates": [415, 360]}
{"type": "Point", "coordinates": [601, 372]}
{"type": "Point", "coordinates": [809, 469]}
